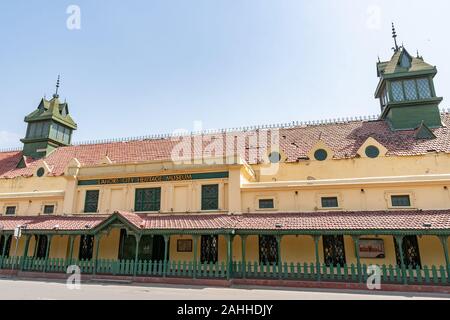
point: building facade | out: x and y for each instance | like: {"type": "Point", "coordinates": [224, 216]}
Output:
{"type": "Point", "coordinates": [320, 200]}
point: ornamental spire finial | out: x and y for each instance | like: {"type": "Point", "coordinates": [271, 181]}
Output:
{"type": "Point", "coordinates": [57, 87]}
{"type": "Point", "coordinates": [394, 35]}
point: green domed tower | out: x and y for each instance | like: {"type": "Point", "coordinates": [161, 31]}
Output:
{"type": "Point", "coordinates": [49, 127]}
{"type": "Point", "coordinates": [406, 91]}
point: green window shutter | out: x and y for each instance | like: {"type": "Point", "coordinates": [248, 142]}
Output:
{"type": "Point", "coordinates": [330, 202]}
{"type": "Point", "coordinates": [49, 209]}
{"type": "Point", "coordinates": [401, 201]}
{"type": "Point", "coordinates": [266, 204]}
{"type": "Point", "coordinates": [210, 197]}
{"type": "Point", "coordinates": [91, 201]}
{"type": "Point", "coordinates": [148, 199]}
{"type": "Point", "coordinates": [10, 211]}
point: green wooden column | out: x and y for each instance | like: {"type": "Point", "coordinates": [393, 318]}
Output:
{"type": "Point", "coordinates": [47, 251]}
{"type": "Point", "coordinates": [316, 249]}
{"type": "Point", "coordinates": [36, 239]}
{"type": "Point", "coordinates": [195, 243]}
{"type": "Point", "coordinates": [444, 242]}
{"type": "Point", "coordinates": [280, 263]}
{"type": "Point", "coordinates": [244, 261]}
{"type": "Point", "coordinates": [229, 238]}
{"type": "Point", "coordinates": [97, 248]}
{"type": "Point", "coordinates": [69, 258]}
{"type": "Point", "coordinates": [25, 251]}
{"type": "Point", "coordinates": [358, 260]}
{"type": "Point", "coordinates": [399, 240]}
{"type": "Point", "coordinates": [166, 250]}
{"type": "Point", "coordinates": [136, 254]}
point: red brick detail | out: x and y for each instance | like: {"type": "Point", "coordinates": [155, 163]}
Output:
{"type": "Point", "coordinates": [341, 285]}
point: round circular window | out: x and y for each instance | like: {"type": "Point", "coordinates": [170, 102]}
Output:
{"type": "Point", "coordinates": [372, 152]}
{"type": "Point", "coordinates": [274, 157]}
{"type": "Point", "coordinates": [320, 154]}
{"type": "Point", "coordinates": [40, 172]}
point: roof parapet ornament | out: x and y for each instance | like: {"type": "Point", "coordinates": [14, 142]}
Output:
{"type": "Point", "coordinates": [394, 35]}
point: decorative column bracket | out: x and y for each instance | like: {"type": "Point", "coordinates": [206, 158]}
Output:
{"type": "Point", "coordinates": [244, 262]}
{"type": "Point", "coordinates": [444, 242]}
{"type": "Point", "coordinates": [69, 259]}
{"type": "Point", "coordinates": [25, 251]}
{"type": "Point", "coordinates": [280, 264]}
{"type": "Point", "coordinates": [195, 244]}
{"type": "Point", "coordinates": [166, 250]}
{"type": "Point", "coordinates": [97, 237]}
{"type": "Point", "coordinates": [136, 253]}
{"type": "Point", "coordinates": [316, 249]}
{"type": "Point", "coordinates": [47, 251]}
{"type": "Point", "coordinates": [229, 238]}
{"type": "Point", "coordinates": [399, 240]}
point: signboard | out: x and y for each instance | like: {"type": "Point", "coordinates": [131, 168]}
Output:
{"type": "Point", "coordinates": [17, 232]}
{"type": "Point", "coordinates": [371, 248]}
{"type": "Point", "coordinates": [163, 178]}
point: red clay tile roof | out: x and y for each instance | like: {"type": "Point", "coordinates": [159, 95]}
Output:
{"type": "Point", "coordinates": [368, 220]}
{"type": "Point", "coordinates": [66, 223]}
{"type": "Point", "coordinates": [190, 222]}
{"type": "Point", "coordinates": [343, 138]}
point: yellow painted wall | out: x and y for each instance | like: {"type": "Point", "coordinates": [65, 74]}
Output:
{"type": "Point", "coordinates": [185, 196]}
{"type": "Point", "coordinates": [174, 255]}
{"type": "Point", "coordinates": [350, 198]}
{"type": "Point", "coordinates": [176, 197]}
{"type": "Point", "coordinates": [431, 251]}
{"type": "Point", "coordinates": [431, 163]}
{"type": "Point", "coordinates": [298, 249]}
{"type": "Point", "coordinates": [58, 248]}
{"type": "Point", "coordinates": [109, 245]}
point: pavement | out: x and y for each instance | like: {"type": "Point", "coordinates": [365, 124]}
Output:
{"type": "Point", "coordinates": [17, 289]}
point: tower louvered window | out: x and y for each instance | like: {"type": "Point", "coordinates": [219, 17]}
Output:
{"type": "Point", "coordinates": [397, 91]}
{"type": "Point", "coordinates": [410, 90]}
{"type": "Point", "coordinates": [423, 85]}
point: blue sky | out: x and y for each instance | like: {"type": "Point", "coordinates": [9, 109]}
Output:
{"type": "Point", "coordinates": [154, 66]}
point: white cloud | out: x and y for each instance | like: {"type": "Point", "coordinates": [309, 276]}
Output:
{"type": "Point", "coordinates": [9, 139]}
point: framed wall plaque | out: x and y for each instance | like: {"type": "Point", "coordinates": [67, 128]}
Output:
{"type": "Point", "coordinates": [184, 245]}
{"type": "Point", "coordinates": [371, 248]}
